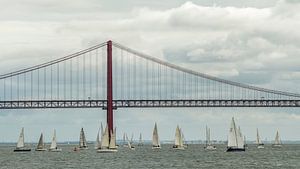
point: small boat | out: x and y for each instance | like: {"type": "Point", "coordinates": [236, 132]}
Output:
{"type": "Point", "coordinates": [21, 145]}
{"type": "Point", "coordinates": [108, 146]}
{"type": "Point", "coordinates": [155, 139]}
{"type": "Point", "coordinates": [235, 138]}
{"type": "Point", "coordinates": [124, 140]}
{"type": "Point", "coordinates": [277, 142]}
{"type": "Point", "coordinates": [53, 147]}
{"type": "Point", "coordinates": [178, 145]}
{"type": "Point", "coordinates": [82, 140]}
{"type": "Point", "coordinates": [41, 145]}
{"type": "Point", "coordinates": [129, 144]}
{"type": "Point", "coordinates": [258, 142]}
{"type": "Point", "coordinates": [140, 140]}
{"type": "Point", "coordinates": [209, 145]}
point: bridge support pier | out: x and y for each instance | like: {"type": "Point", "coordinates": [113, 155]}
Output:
{"type": "Point", "coordinates": [109, 116]}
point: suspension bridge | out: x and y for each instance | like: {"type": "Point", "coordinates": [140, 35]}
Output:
{"type": "Point", "coordinates": [111, 76]}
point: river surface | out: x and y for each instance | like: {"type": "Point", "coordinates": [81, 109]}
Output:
{"type": "Point", "coordinates": [144, 157]}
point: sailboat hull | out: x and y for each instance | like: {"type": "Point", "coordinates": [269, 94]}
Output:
{"type": "Point", "coordinates": [21, 150]}
{"type": "Point", "coordinates": [210, 147]}
{"type": "Point", "coordinates": [55, 150]}
{"type": "Point", "coordinates": [178, 147]}
{"type": "Point", "coordinates": [233, 149]}
{"type": "Point", "coordinates": [83, 148]}
{"type": "Point", "coordinates": [107, 150]}
{"type": "Point", "coordinates": [41, 149]}
{"type": "Point", "coordinates": [276, 145]}
{"type": "Point", "coordinates": [156, 147]}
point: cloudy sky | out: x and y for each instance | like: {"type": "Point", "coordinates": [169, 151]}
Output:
{"type": "Point", "coordinates": [250, 41]}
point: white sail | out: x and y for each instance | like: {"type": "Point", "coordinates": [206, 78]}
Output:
{"type": "Point", "coordinates": [258, 141]}
{"type": "Point", "coordinates": [181, 140]}
{"type": "Point", "coordinates": [102, 132]}
{"type": "Point", "coordinates": [20, 143]}
{"type": "Point", "coordinates": [112, 143]}
{"type": "Point", "coordinates": [155, 138]}
{"type": "Point", "coordinates": [82, 142]}
{"type": "Point", "coordinates": [140, 140]}
{"type": "Point", "coordinates": [41, 144]}
{"type": "Point", "coordinates": [53, 143]}
{"type": "Point", "coordinates": [105, 138]}
{"type": "Point", "coordinates": [240, 138]}
{"type": "Point", "coordinates": [128, 142]}
{"type": "Point", "coordinates": [232, 136]}
{"type": "Point", "coordinates": [98, 142]}
{"type": "Point", "coordinates": [131, 140]}
{"type": "Point", "coordinates": [177, 137]}
{"type": "Point", "coordinates": [208, 141]}
{"type": "Point", "coordinates": [277, 138]}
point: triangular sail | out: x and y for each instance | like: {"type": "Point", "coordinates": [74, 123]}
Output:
{"type": "Point", "coordinates": [232, 136]}
{"type": "Point", "coordinates": [53, 143]}
{"type": "Point", "coordinates": [98, 142]}
{"type": "Point", "coordinates": [277, 138]}
{"type": "Point", "coordinates": [105, 138]}
{"type": "Point", "coordinates": [208, 141]}
{"type": "Point", "coordinates": [140, 140]}
{"type": "Point", "coordinates": [112, 144]}
{"type": "Point", "coordinates": [41, 142]}
{"type": "Point", "coordinates": [20, 143]}
{"type": "Point", "coordinates": [177, 136]}
{"type": "Point", "coordinates": [128, 142]}
{"type": "Point", "coordinates": [240, 139]}
{"type": "Point", "coordinates": [131, 140]}
{"type": "Point", "coordinates": [82, 142]}
{"type": "Point", "coordinates": [181, 140]}
{"type": "Point", "coordinates": [155, 138]}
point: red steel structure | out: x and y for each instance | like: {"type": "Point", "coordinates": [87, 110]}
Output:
{"type": "Point", "coordinates": [109, 88]}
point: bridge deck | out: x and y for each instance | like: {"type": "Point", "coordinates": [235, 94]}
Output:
{"type": "Point", "coordinates": [38, 104]}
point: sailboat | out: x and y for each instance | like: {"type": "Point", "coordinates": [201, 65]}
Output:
{"type": "Point", "coordinates": [235, 138]}
{"type": "Point", "coordinates": [277, 143]}
{"type": "Point", "coordinates": [259, 143]}
{"type": "Point", "coordinates": [209, 145]}
{"type": "Point", "coordinates": [21, 145]}
{"type": "Point", "coordinates": [82, 141]}
{"type": "Point", "coordinates": [108, 146]}
{"type": "Point", "coordinates": [124, 140]}
{"type": "Point", "coordinates": [178, 145]}
{"type": "Point", "coordinates": [53, 147]}
{"type": "Point", "coordinates": [140, 140]}
{"type": "Point", "coordinates": [155, 138]}
{"type": "Point", "coordinates": [129, 144]}
{"type": "Point", "coordinates": [41, 145]}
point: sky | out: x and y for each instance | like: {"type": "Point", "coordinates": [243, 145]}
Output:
{"type": "Point", "coordinates": [251, 41]}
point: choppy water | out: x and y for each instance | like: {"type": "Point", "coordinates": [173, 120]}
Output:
{"type": "Point", "coordinates": [144, 157]}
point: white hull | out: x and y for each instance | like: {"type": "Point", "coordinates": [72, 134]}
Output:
{"type": "Point", "coordinates": [155, 148]}
{"type": "Point", "coordinates": [210, 148]}
{"type": "Point", "coordinates": [107, 150]}
{"type": "Point", "coordinates": [41, 149]}
{"type": "Point", "coordinates": [260, 147]}
{"type": "Point", "coordinates": [178, 148]}
{"type": "Point", "coordinates": [55, 150]}
{"type": "Point", "coordinates": [277, 145]}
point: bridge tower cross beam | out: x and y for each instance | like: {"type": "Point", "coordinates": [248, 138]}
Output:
{"type": "Point", "coordinates": [109, 115]}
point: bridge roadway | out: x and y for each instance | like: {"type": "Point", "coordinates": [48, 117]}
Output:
{"type": "Point", "coordinates": [41, 104]}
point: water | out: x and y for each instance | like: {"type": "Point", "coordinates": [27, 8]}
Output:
{"type": "Point", "coordinates": [144, 157]}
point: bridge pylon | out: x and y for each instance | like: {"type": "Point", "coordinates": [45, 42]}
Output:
{"type": "Point", "coordinates": [109, 116]}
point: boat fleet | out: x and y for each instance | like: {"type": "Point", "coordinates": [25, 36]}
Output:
{"type": "Point", "coordinates": [236, 141]}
